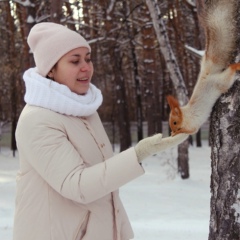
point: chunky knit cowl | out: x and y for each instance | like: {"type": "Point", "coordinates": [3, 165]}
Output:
{"type": "Point", "coordinates": [44, 92]}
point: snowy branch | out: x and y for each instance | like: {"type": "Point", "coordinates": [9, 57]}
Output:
{"type": "Point", "coordinates": [26, 3]}
{"type": "Point", "coordinates": [195, 52]}
{"type": "Point", "coordinates": [96, 40]}
{"type": "Point", "coordinates": [191, 2]}
{"type": "Point", "coordinates": [110, 7]}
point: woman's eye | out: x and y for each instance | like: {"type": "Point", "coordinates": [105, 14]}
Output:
{"type": "Point", "coordinates": [88, 60]}
{"type": "Point", "coordinates": [75, 62]}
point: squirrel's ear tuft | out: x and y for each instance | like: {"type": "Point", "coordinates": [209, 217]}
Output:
{"type": "Point", "coordinates": [173, 102]}
{"type": "Point", "coordinates": [174, 105]}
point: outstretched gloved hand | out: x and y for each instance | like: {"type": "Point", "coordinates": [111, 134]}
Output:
{"type": "Point", "coordinates": [151, 145]}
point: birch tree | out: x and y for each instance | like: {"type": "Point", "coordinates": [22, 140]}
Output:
{"type": "Point", "coordinates": [225, 178]}
{"type": "Point", "coordinates": [175, 73]}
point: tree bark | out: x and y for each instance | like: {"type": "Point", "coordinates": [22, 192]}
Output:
{"type": "Point", "coordinates": [151, 82]}
{"type": "Point", "coordinates": [198, 138]}
{"type": "Point", "coordinates": [183, 166]}
{"type": "Point", "coordinates": [139, 114]}
{"type": "Point", "coordinates": [122, 106]}
{"type": "Point", "coordinates": [27, 15]}
{"type": "Point", "coordinates": [225, 178]}
{"type": "Point", "coordinates": [12, 77]}
{"type": "Point", "coordinates": [56, 11]}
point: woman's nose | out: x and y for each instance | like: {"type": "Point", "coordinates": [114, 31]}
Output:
{"type": "Point", "coordinates": [85, 67]}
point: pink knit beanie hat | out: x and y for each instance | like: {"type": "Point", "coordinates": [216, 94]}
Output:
{"type": "Point", "coordinates": [50, 41]}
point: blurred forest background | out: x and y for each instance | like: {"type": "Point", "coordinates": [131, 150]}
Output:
{"type": "Point", "coordinates": [140, 50]}
{"type": "Point", "coordinates": [131, 68]}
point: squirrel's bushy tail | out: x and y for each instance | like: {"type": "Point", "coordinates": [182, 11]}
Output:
{"type": "Point", "coordinates": [218, 18]}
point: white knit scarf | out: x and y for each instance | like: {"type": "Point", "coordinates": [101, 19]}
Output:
{"type": "Point", "coordinates": [43, 92]}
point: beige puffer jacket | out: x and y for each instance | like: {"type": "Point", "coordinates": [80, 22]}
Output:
{"type": "Point", "coordinates": [67, 185]}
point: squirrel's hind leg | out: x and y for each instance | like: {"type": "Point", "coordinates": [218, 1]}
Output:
{"type": "Point", "coordinates": [225, 79]}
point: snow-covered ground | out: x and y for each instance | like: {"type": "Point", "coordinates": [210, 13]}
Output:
{"type": "Point", "coordinates": [160, 205]}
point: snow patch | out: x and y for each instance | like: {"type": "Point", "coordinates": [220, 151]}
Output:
{"type": "Point", "coordinates": [236, 207]}
{"type": "Point", "coordinates": [148, 61]}
{"type": "Point", "coordinates": [30, 19]}
{"type": "Point", "coordinates": [159, 204]}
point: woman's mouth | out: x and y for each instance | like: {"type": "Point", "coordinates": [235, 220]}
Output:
{"type": "Point", "coordinates": [85, 79]}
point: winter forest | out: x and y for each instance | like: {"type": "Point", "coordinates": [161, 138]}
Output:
{"type": "Point", "coordinates": [142, 51]}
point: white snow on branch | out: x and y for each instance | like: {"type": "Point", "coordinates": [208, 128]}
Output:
{"type": "Point", "coordinates": [192, 2]}
{"type": "Point", "coordinates": [148, 61]}
{"type": "Point", "coordinates": [236, 207]}
{"type": "Point", "coordinates": [95, 40]}
{"type": "Point", "coordinates": [194, 51]}
{"type": "Point", "coordinates": [42, 18]}
{"type": "Point", "coordinates": [110, 8]}
{"type": "Point", "coordinates": [26, 3]}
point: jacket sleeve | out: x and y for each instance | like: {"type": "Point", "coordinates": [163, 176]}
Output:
{"type": "Point", "coordinates": [47, 149]}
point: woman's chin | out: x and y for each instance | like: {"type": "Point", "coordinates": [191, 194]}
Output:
{"type": "Point", "coordinates": [81, 91]}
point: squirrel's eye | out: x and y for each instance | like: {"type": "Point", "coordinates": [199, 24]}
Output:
{"type": "Point", "coordinates": [175, 123]}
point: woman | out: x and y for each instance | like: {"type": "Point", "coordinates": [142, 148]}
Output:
{"type": "Point", "coordinates": [67, 185]}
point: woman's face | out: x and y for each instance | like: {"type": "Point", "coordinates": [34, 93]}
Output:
{"type": "Point", "coordinates": [75, 70]}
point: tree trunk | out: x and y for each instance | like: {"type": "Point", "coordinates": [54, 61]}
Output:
{"type": "Point", "coordinates": [139, 114]}
{"type": "Point", "coordinates": [225, 179]}
{"type": "Point", "coordinates": [174, 71]}
{"type": "Point", "coordinates": [122, 106]}
{"type": "Point", "coordinates": [27, 15]}
{"type": "Point", "coordinates": [183, 166]}
{"type": "Point", "coordinates": [198, 138]}
{"type": "Point", "coordinates": [13, 77]}
{"type": "Point", "coordinates": [151, 83]}
{"type": "Point", "coordinates": [85, 24]}
{"type": "Point", "coordinates": [56, 11]}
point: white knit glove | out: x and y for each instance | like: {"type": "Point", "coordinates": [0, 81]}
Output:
{"type": "Point", "coordinates": [151, 145]}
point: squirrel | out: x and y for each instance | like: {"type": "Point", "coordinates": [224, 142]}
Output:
{"type": "Point", "coordinates": [217, 75]}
